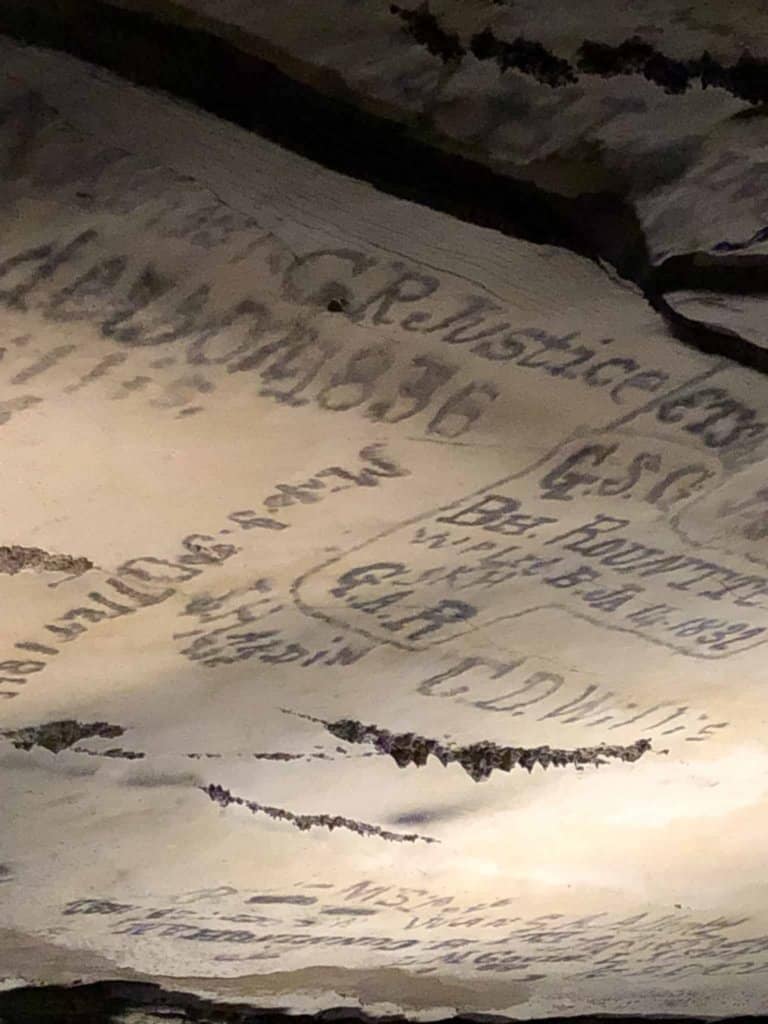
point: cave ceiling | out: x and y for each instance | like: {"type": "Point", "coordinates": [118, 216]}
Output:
{"type": "Point", "coordinates": [384, 549]}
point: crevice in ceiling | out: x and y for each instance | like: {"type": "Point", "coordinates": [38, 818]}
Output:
{"type": "Point", "coordinates": [60, 735]}
{"type": "Point", "coordinates": [746, 80]}
{"type": "Point", "coordinates": [425, 29]}
{"type": "Point", "coordinates": [15, 558]}
{"type": "Point", "coordinates": [272, 756]}
{"type": "Point", "coordinates": [64, 734]}
{"type": "Point", "coordinates": [523, 55]}
{"type": "Point", "coordinates": [479, 760]}
{"type": "Point", "coordinates": [313, 113]}
{"type": "Point", "coordinates": [304, 822]}
{"type": "Point", "coordinates": [114, 752]}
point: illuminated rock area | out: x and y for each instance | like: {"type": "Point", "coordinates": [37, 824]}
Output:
{"type": "Point", "coordinates": [384, 588]}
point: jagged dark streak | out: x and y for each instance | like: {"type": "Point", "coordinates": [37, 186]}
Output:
{"type": "Point", "coordinates": [523, 55]}
{"type": "Point", "coordinates": [277, 756]}
{"type": "Point", "coordinates": [747, 79]}
{"type": "Point", "coordinates": [304, 822]}
{"type": "Point", "coordinates": [478, 760]}
{"type": "Point", "coordinates": [424, 27]}
{"type": "Point", "coordinates": [60, 735]}
{"type": "Point", "coordinates": [118, 752]}
{"type": "Point", "coordinates": [15, 557]}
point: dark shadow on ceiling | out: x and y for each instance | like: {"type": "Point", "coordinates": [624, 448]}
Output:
{"type": "Point", "coordinates": [109, 1002]}
{"type": "Point", "coordinates": [322, 122]}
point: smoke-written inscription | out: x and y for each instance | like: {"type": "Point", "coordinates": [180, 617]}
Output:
{"type": "Point", "coordinates": [407, 371]}
{"type": "Point", "coordinates": [498, 556]}
{"type": "Point", "coordinates": [139, 308]}
{"type": "Point", "coordinates": [431, 930]}
{"type": "Point", "coordinates": [253, 622]}
{"type": "Point", "coordinates": [148, 580]}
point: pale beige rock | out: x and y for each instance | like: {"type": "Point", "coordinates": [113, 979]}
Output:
{"type": "Point", "coordinates": [334, 454]}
